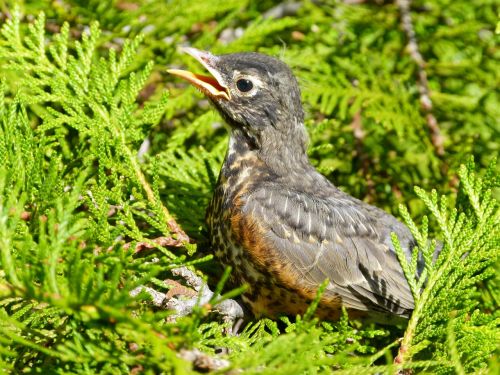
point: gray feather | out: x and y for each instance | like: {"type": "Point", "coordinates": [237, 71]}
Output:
{"type": "Point", "coordinates": [356, 253]}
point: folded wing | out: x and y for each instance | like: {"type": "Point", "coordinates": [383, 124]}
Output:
{"type": "Point", "coordinates": [338, 238]}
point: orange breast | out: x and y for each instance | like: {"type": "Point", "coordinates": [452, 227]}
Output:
{"type": "Point", "coordinates": [286, 292]}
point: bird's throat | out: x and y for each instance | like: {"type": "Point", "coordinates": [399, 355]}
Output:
{"type": "Point", "coordinates": [266, 159]}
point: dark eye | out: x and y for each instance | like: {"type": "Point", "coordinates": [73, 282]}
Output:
{"type": "Point", "coordinates": [244, 85]}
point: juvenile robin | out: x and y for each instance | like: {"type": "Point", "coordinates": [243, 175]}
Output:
{"type": "Point", "coordinates": [282, 226]}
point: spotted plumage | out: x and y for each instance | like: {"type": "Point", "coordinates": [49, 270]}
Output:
{"type": "Point", "coordinates": [281, 225]}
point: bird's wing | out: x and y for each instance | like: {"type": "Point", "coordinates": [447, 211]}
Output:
{"type": "Point", "coordinates": [339, 238]}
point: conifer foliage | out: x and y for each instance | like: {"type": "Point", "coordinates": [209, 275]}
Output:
{"type": "Point", "coordinates": [105, 176]}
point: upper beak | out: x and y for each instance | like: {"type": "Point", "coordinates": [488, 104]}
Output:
{"type": "Point", "coordinates": [211, 85]}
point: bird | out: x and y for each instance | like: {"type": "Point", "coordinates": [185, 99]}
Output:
{"type": "Point", "coordinates": [283, 227]}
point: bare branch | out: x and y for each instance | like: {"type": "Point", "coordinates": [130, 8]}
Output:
{"type": "Point", "coordinates": [159, 241]}
{"type": "Point", "coordinates": [422, 82]}
{"type": "Point", "coordinates": [202, 361]}
{"type": "Point", "coordinates": [359, 135]}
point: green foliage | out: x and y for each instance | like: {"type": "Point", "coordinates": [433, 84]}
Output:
{"type": "Point", "coordinates": [447, 319]}
{"type": "Point", "coordinates": [82, 91]}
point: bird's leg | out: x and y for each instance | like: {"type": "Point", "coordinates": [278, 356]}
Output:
{"type": "Point", "coordinates": [200, 295]}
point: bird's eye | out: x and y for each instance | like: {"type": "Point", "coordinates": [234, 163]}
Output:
{"type": "Point", "coordinates": [244, 85]}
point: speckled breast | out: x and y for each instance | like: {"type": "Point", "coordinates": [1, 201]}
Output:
{"type": "Point", "coordinates": [238, 176]}
{"type": "Point", "coordinates": [265, 295]}
{"type": "Point", "coordinates": [233, 183]}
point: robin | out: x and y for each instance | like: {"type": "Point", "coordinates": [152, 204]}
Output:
{"type": "Point", "coordinates": [282, 226]}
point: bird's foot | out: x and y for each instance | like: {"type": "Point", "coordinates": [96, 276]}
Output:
{"type": "Point", "coordinates": [182, 299]}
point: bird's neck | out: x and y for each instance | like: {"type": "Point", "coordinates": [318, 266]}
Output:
{"type": "Point", "coordinates": [274, 156]}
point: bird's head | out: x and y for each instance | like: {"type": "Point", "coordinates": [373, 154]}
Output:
{"type": "Point", "coordinates": [256, 94]}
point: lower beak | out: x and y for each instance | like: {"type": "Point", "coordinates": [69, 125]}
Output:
{"type": "Point", "coordinates": [210, 85]}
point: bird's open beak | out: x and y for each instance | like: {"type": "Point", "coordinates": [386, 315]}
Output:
{"type": "Point", "coordinates": [210, 85]}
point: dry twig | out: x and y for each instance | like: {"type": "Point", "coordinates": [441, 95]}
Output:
{"type": "Point", "coordinates": [359, 135]}
{"type": "Point", "coordinates": [159, 241]}
{"type": "Point", "coordinates": [202, 361]}
{"type": "Point", "coordinates": [422, 81]}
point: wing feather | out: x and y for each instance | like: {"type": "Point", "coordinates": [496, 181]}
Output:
{"type": "Point", "coordinates": [339, 238]}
